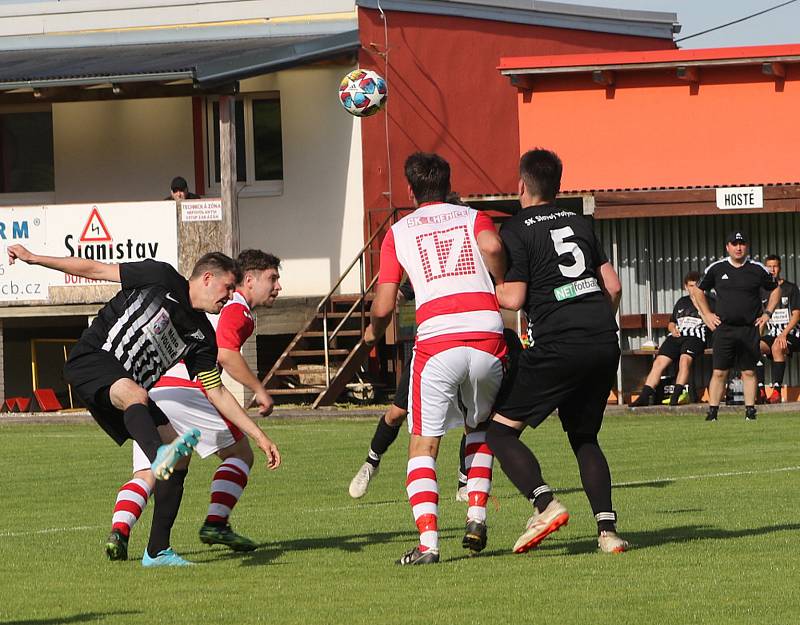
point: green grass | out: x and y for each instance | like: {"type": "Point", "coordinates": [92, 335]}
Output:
{"type": "Point", "coordinates": [713, 518]}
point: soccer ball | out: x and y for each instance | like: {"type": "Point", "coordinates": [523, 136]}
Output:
{"type": "Point", "coordinates": [362, 92]}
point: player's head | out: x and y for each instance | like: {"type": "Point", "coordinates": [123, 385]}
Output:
{"type": "Point", "coordinates": [773, 263]}
{"type": "Point", "coordinates": [260, 280]}
{"type": "Point", "coordinates": [736, 245]}
{"type": "Point", "coordinates": [428, 177]}
{"type": "Point", "coordinates": [179, 188]}
{"type": "Point", "coordinates": [540, 175]}
{"type": "Point", "coordinates": [691, 279]}
{"type": "Point", "coordinates": [213, 281]}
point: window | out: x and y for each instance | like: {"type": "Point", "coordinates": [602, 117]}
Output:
{"type": "Point", "coordinates": [259, 146]}
{"type": "Point", "coordinates": [26, 152]}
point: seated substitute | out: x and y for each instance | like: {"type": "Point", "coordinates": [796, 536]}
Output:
{"type": "Point", "coordinates": [687, 338]}
{"type": "Point", "coordinates": [782, 337]}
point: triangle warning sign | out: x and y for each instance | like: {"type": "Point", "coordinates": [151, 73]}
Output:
{"type": "Point", "coordinates": [95, 229]}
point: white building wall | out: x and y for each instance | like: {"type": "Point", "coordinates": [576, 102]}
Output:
{"type": "Point", "coordinates": [126, 150]}
{"type": "Point", "coordinates": [131, 149]}
{"type": "Point", "coordinates": [316, 225]}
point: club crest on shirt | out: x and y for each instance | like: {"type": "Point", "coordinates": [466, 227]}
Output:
{"type": "Point", "coordinates": [160, 323]}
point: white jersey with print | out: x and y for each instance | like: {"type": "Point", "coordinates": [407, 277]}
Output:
{"type": "Point", "coordinates": [438, 248]}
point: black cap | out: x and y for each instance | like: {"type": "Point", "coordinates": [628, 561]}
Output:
{"type": "Point", "coordinates": [737, 236]}
{"type": "Point", "coordinates": [179, 184]}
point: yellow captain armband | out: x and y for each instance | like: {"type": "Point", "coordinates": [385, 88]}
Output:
{"type": "Point", "coordinates": [210, 379]}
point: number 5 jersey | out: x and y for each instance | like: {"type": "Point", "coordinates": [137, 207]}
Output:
{"type": "Point", "coordinates": [556, 253]}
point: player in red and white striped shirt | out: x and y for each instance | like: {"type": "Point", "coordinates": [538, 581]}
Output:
{"type": "Point", "coordinates": [448, 252]}
{"type": "Point", "coordinates": [186, 406]}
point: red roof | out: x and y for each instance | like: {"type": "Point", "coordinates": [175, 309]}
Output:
{"type": "Point", "coordinates": [696, 56]}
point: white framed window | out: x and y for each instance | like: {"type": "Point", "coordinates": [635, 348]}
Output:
{"type": "Point", "coordinates": [27, 169]}
{"type": "Point", "coordinates": [259, 144]}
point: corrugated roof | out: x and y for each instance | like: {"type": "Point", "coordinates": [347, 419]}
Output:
{"type": "Point", "coordinates": [538, 13]}
{"type": "Point", "coordinates": [205, 62]}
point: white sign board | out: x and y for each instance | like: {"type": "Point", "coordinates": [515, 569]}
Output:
{"type": "Point", "coordinates": [740, 197]}
{"type": "Point", "coordinates": [201, 210]}
{"type": "Point", "coordinates": [112, 233]}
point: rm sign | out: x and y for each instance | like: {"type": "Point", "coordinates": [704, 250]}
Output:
{"type": "Point", "coordinates": [740, 197]}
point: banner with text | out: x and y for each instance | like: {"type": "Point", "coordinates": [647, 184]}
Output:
{"type": "Point", "coordinates": [111, 233]}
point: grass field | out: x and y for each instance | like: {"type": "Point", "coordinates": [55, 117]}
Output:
{"type": "Point", "coordinates": [712, 510]}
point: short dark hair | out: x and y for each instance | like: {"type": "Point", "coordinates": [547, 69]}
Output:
{"type": "Point", "coordinates": [454, 198]}
{"type": "Point", "coordinates": [429, 177]}
{"type": "Point", "coordinates": [691, 276]}
{"type": "Point", "coordinates": [256, 260]}
{"type": "Point", "coordinates": [216, 263]}
{"type": "Point", "coordinates": [179, 184]}
{"type": "Point", "coordinates": [773, 257]}
{"type": "Point", "coordinates": [540, 170]}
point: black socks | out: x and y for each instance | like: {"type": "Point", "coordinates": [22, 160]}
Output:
{"type": "Point", "coordinates": [384, 436]}
{"type": "Point", "coordinates": [167, 497]}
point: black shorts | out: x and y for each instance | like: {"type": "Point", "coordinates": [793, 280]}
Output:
{"type": "Point", "coordinates": [792, 342]}
{"type": "Point", "coordinates": [401, 396]}
{"type": "Point", "coordinates": [736, 346]}
{"type": "Point", "coordinates": [91, 376]}
{"type": "Point", "coordinates": [675, 346]}
{"type": "Point", "coordinates": [576, 379]}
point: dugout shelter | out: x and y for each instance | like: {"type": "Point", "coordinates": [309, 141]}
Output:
{"type": "Point", "coordinates": [668, 150]}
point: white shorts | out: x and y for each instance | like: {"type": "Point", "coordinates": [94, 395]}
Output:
{"type": "Point", "coordinates": [188, 408]}
{"type": "Point", "coordinates": [453, 384]}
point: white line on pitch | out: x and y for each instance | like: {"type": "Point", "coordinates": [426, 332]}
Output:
{"type": "Point", "coordinates": [662, 480]}
{"type": "Point", "coordinates": [50, 530]}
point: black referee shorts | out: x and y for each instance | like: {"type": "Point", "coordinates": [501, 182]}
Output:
{"type": "Point", "coordinates": [736, 346]}
{"type": "Point", "coordinates": [91, 376]}
{"type": "Point", "coordinates": [576, 379]}
{"type": "Point", "coordinates": [675, 346]}
{"type": "Point", "coordinates": [792, 342]}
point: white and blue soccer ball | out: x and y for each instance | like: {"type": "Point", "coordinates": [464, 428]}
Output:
{"type": "Point", "coordinates": [363, 92]}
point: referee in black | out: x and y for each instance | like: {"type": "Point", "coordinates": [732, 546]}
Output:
{"type": "Point", "coordinates": [738, 319]}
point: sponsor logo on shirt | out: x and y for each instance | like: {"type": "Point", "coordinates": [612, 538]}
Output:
{"type": "Point", "coordinates": [423, 220]}
{"type": "Point", "coordinates": [165, 338]}
{"type": "Point", "coordinates": [724, 276]}
{"type": "Point", "coordinates": [197, 334]}
{"type": "Point", "coordinates": [574, 289]}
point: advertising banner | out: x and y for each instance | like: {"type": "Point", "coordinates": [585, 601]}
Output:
{"type": "Point", "coordinates": [110, 233]}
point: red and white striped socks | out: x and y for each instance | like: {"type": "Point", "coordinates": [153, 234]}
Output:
{"type": "Point", "coordinates": [423, 494]}
{"type": "Point", "coordinates": [229, 481]}
{"type": "Point", "coordinates": [478, 459]}
{"type": "Point", "coordinates": [131, 500]}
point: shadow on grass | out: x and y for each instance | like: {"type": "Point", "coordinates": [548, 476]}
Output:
{"type": "Point", "coordinates": [75, 618]}
{"type": "Point", "coordinates": [667, 536]}
{"type": "Point", "coordinates": [266, 553]}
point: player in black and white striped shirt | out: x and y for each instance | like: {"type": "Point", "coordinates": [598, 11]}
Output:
{"type": "Point", "coordinates": [687, 339]}
{"type": "Point", "coordinates": [156, 320]}
{"type": "Point", "coordinates": [782, 337]}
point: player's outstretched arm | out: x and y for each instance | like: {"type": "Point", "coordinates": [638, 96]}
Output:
{"type": "Point", "coordinates": [228, 407]}
{"type": "Point", "coordinates": [234, 363]}
{"type": "Point", "coordinates": [73, 265]}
